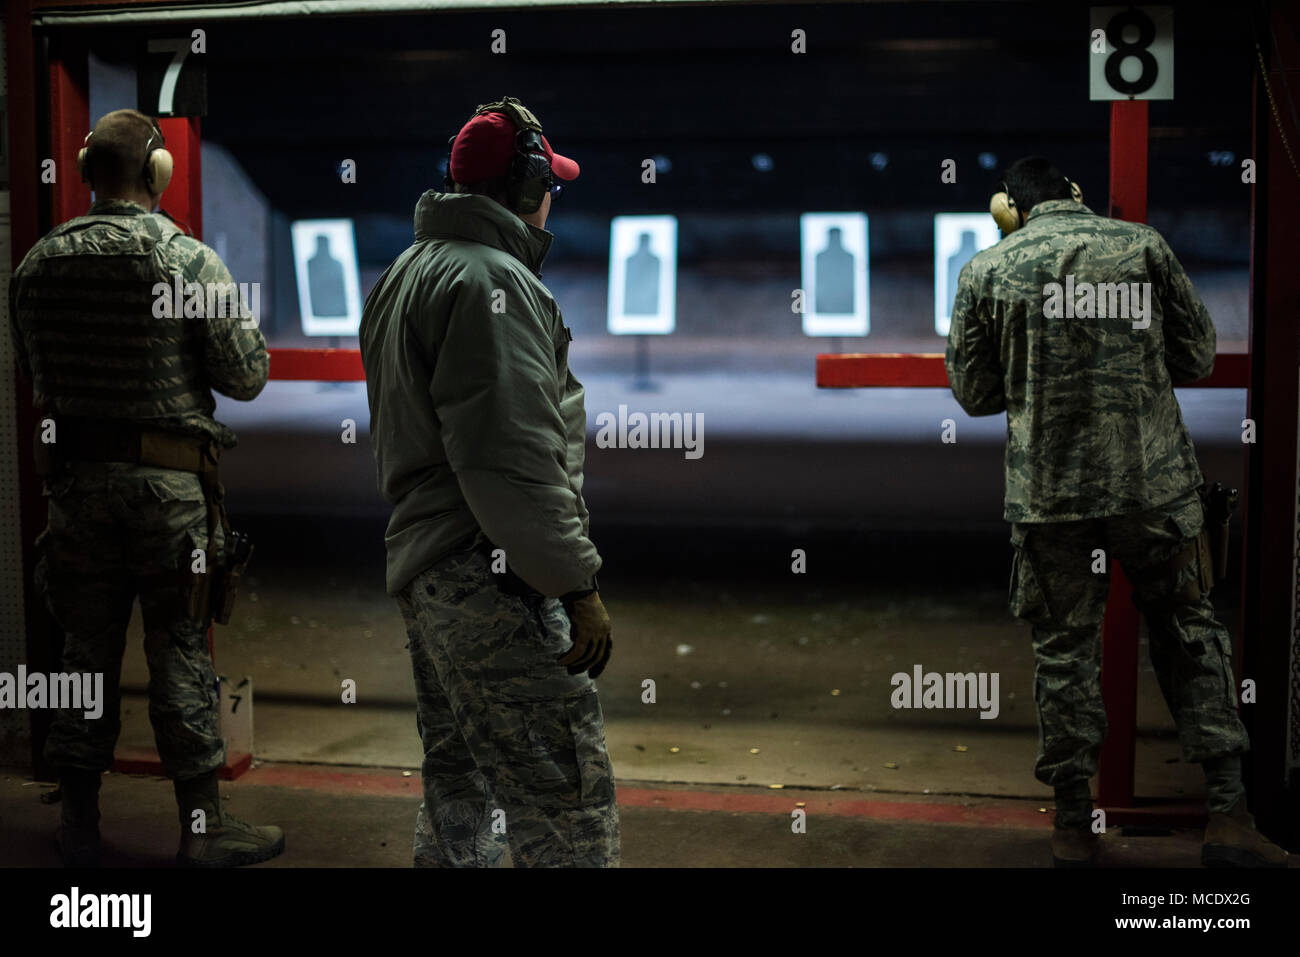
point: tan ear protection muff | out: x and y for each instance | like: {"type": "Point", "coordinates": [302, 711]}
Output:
{"type": "Point", "coordinates": [1007, 215]}
{"type": "Point", "coordinates": [1004, 210]}
{"type": "Point", "coordinates": [158, 162]}
{"type": "Point", "coordinates": [83, 167]}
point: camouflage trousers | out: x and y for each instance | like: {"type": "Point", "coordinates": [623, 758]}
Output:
{"type": "Point", "coordinates": [1054, 589]}
{"type": "Point", "coordinates": [115, 532]}
{"type": "Point", "coordinates": [514, 746]}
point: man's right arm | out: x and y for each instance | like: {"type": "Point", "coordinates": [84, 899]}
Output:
{"type": "Point", "coordinates": [972, 359]}
{"type": "Point", "coordinates": [234, 352]}
{"type": "Point", "coordinates": [1188, 330]}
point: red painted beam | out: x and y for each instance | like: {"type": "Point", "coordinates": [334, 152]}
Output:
{"type": "Point", "coordinates": [183, 200]}
{"type": "Point", "coordinates": [1119, 634]}
{"type": "Point", "coordinates": [26, 197]}
{"type": "Point", "coordinates": [1119, 666]}
{"type": "Point", "coordinates": [24, 164]}
{"type": "Point", "coordinates": [68, 115]}
{"type": "Point", "coordinates": [317, 365]}
{"type": "Point", "coordinates": [919, 370]}
{"type": "Point", "coordinates": [924, 370]}
{"type": "Point", "coordinates": [69, 124]}
{"type": "Point", "coordinates": [1269, 576]}
{"type": "Point", "coordinates": [1128, 160]}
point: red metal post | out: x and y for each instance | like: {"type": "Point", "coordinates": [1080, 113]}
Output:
{"type": "Point", "coordinates": [1119, 666]}
{"type": "Point", "coordinates": [183, 200]}
{"type": "Point", "coordinates": [24, 165]}
{"type": "Point", "coordinates": [1119, 633]}
{"type": "Point", "coordinates": [67, 196]}
{"type": "Point", "coordinates": [1128, 160]}
{"type": "Point", "coordinates": [1270, 582]}
{"type": "Point", "coordinates": [69, 124]}
{"type": "Point", "coordinates": [25, 196]}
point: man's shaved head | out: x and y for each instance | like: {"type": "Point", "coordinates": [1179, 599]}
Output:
{"type": "Point", "coordinates": [117, 150]}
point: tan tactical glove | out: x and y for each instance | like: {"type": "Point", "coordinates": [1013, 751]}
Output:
{"type": "Point", "coordinates": [590, 631]}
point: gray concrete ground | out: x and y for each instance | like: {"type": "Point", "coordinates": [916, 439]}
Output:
{"type": "Point", "coordinates": [762, 680]}
{"type": "Point", "coordinates": [760, 684]}
{"type": "Point", "coordinates": [328, 829]}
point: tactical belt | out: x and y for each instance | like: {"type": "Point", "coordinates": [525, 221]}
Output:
{"type": "Point", "coordinates": [105, 440]}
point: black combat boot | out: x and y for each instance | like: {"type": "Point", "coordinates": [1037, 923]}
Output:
{"type": "Point", "coordinates": [215, 838]}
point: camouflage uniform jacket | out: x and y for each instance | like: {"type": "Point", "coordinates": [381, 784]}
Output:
{"type": "Point", "coordinates": [86, 324]}
{"type": "Point", "coordinates": [1093, 426]}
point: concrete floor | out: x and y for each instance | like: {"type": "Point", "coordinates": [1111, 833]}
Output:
{"type": "Point", "coordinates": [365, 818]}
{"type": "Point", "coordinates": [769, 692]}
{"type": "Point", "coordinates": [801, 673]}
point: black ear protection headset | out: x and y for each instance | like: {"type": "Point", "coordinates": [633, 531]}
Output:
{"type": "Point", "coordinates": [1007, 214]}
{"type": "Point", "coordinates": [529, 178]}
{"type": "Point", "coordinates": [158, 162]}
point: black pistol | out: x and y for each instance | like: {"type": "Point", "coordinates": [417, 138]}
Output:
{"type": "Point", "coordinates": [1219, 502]}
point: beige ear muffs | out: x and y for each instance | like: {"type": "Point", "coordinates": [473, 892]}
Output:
{"type": "Point", "coordinates": [1005, 213]}
{"type": "Point", "coordinates": [158, 170]}
{"type": "Point", "coordinates": [81, 161]}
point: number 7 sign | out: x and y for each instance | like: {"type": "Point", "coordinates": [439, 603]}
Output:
{"type": "Point", "coordinates": [171, 81]}
{"type": "Point", "coordinates": [1131, 53]}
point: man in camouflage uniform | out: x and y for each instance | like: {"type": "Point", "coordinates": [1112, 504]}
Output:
{"type": "Point", "coordinates": [127, 389]}
{"type": "Point", "coordinates": [479, 434]}
{"type": "Point", "coordinates": [1098, 457]}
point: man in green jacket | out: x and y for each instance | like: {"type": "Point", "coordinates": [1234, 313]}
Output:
{"type": "Point", "coordinates": [479, 432]}
{"type": "Point", "coordinates": [1079, 327]}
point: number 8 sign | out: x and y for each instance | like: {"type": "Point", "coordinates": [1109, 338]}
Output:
{"type": "Point", "coordinates": [1131, 53]}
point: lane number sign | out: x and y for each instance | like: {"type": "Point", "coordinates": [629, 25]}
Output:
{"type": "Point", "coordinates": [171, 79]}
{"type": "Point", "coordinates": [1131, 53]}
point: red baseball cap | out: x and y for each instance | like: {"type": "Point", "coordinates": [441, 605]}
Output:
{"type": "Point", "coordinates": [485, 146]}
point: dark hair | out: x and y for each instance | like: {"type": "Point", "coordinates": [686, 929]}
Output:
{"type": "Point", "coordinates": [118, 154]}
{"type": "Point", "coordinates": [1034, 180]}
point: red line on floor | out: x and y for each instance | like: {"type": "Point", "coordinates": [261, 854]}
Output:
{"type": "Point", "coordinates": [391, 783]}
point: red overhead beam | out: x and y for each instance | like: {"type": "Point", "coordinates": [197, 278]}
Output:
{"type": "Point", "coordinates": [317, 365]}
{"type": "Point", "coordinates": [924, 370]}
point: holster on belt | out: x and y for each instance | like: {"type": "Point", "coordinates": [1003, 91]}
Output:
{"type": "Point", "coordinates": [1219, 503]}
{"type": "Point", "coordinates": [211, 593]}
{"type": "Point", "coordinates": [1210, 548]}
